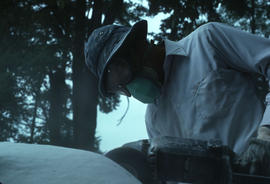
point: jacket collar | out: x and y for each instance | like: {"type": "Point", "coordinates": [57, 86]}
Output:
{"type": "Point", "coordinates": [174, 48]}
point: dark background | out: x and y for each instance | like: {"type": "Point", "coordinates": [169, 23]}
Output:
{"type": "Point", "coordinates": [47, 95]}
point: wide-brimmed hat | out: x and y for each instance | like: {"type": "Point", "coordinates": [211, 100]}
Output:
{"type": "Point", "coordinates": [105, 42]}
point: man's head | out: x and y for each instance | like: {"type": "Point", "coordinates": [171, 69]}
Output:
{"type": "Point", "coordinates": [124, 62]}
{"type": "Point", "coordinates": [112, 44]}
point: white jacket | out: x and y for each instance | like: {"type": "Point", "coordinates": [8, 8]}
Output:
{"type": "Point", "coordinates": [210, 89]}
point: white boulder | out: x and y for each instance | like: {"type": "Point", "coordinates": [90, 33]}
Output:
{"type": "Point", "coordinates": [44, 164]}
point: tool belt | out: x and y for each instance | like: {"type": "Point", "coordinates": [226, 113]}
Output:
{"type": "Point", "coordinates": [186, 160]}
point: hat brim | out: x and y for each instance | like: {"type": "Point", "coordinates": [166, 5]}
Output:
{"type": "Point", "coordinates": [137, 32]}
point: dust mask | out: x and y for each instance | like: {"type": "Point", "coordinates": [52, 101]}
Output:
{"type": "Point", "coordinates": [145, 87]}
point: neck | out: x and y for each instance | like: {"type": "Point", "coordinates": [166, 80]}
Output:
{"type": "Point", "coordinates": [154, 58]}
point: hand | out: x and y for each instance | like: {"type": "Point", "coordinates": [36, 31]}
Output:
{"type": "Point", "coordinates": [256, 159]}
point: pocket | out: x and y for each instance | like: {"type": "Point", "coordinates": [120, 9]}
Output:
{"type": "Point", "coordinates": [215, 94]}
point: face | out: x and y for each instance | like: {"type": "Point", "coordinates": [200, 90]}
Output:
{"type": "Point", "coordinates": [117, 75]}
{"type": "Point", "coordinates": [122, 69]}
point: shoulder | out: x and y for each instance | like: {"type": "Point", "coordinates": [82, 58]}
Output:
{"type": "Point", "coordinates": [205, 33]}
{"type": "Point", "coordinates": [207, 29]}
{"type": "Point", "coordinates": [210, 26]}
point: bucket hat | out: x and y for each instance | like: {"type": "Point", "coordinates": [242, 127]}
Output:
{"type": "Point", "coordinates": [105, 42]}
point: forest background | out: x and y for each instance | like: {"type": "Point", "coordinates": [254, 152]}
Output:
{"type": "Point", "coordinates": [47, 94]}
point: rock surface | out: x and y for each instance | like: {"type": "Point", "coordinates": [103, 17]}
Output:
{"type": "Point", "coordinates": [44, 164]}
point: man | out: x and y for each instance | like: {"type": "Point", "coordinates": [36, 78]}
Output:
{"type": "Point", "coordinates": [201, 87]}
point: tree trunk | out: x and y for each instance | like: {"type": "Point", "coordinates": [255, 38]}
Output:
{"type": "Point", "coordinates": [252, 21]}
{"type": "Point", "coordinates": [33, 124]}
{"type": "Point", "coordinates": [84, 87]}
{"type": "Point", "coordinates": [57, 102]}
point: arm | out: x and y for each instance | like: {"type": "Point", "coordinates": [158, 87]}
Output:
{"type": "Point", "coordinates": [244, 52]}
{"type": "Point", "coordinates": [248, 53]}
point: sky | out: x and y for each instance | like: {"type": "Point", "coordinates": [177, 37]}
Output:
{"type": "Point", "coordinates": [132, 127]}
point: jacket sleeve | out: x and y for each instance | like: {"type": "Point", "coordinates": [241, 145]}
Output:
{"type": "Point", "coordinates": [243, 51]}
